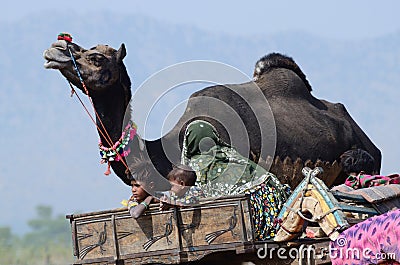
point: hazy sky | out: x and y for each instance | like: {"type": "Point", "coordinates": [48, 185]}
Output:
{"type": "Point", "coordinates": [339, 19]}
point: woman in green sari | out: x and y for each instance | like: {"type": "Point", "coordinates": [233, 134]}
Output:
{"type": "Point", "coordinates": [222, 171]}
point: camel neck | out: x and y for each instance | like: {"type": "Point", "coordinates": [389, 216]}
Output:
{"type": "Point", "coordinates": [111, 114]}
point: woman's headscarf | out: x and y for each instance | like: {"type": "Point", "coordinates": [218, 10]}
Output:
{"type": "Point", "coordinates": [220, 169]}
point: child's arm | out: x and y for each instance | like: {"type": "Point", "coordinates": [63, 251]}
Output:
{"type": "Point", "coordinates": [138, 210]}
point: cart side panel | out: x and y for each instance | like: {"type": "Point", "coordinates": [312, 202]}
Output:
{"type": "Point", "coordinates": [210, 225]}
{"type": "Point", "coordinates": [95, 239]}
{"type": "Point", "coordinates": [152, 232]}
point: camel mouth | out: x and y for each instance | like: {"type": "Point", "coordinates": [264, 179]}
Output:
{"type": "Point", "coordinates": [54, 65]}
{"type": "Point", "coordinates": [55, 59]}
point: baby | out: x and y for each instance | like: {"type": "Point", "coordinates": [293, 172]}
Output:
{"type": "Point", "coordinates": [358, 164]}
{"type": "Point", "coordinates": [183, 191]}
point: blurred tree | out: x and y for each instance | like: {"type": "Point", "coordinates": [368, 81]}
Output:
{"type": "Point", "coordinates": [5, 236]}
{"type": "Point", "coordinates": [50, 239]}
{"type": "Point", "coordinates": [7, 240]}
{"type": "Point", "coordinates": [47, 229]}
{"type": "Point", "coordinates": [49, 242]}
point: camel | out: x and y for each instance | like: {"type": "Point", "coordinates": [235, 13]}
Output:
{"type": "Point", "coordinates": [307, 129]}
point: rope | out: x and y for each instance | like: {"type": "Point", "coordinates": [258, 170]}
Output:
{"type": "Point", "coordinates": [327, 212]}
{"type": "Point", "coordinates": [87, 111]}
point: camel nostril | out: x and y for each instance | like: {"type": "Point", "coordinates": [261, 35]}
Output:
{"type": "Point", "coordinates": [60, 45]}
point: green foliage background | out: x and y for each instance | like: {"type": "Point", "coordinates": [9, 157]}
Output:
{"type": "Point", "coordinates": [48, 242]}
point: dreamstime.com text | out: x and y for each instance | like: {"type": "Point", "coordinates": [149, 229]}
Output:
{"type": "Point", "coordinates": [322, 253]}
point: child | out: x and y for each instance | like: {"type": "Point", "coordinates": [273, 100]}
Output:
{"type": "Point", "coordinates": [142, 188]}
{"type": "Point", "coordinates": [359, 166]}
{"type": "Point", "coordinates": [183, 191]}
{"type": "Point", "coordinates": [355, 161]}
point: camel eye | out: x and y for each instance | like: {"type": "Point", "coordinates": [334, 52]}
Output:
{"type": "Point", "coordinates": [96, 59]}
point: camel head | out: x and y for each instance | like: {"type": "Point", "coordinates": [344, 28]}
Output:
{"type": "Point", "coordinates": [102, 72]}
{"type": "Point", "coordinates": [101, 67]}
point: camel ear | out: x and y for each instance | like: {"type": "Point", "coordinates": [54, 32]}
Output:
{"type": "Point", "coordinates": [121, 53]}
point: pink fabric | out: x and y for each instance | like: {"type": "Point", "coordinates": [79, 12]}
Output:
{"type": "Point", "coordinates": [365, 181]}
{"type": "Point", "coordinates": [373, 241]}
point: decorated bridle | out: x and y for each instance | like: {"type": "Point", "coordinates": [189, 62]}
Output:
{"type": "Point", "coordinates": [117, 150]}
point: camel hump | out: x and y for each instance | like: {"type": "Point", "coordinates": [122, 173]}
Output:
{"type": "Point", "coordinates": [277, 60]}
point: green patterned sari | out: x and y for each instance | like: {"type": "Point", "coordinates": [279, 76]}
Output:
{"type": "Point", "coordinates": [222, 171]}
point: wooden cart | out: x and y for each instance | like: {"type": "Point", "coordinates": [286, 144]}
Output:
{"type": "Point", "coordinates": [213, 232]}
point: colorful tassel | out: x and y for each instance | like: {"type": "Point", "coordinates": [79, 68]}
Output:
{"type": "Point", "coordinates": [64, 36]}
{"type": "Point", "coordinates": [120, 149]}
{"type": "Point", "coordinates": [108, 171]}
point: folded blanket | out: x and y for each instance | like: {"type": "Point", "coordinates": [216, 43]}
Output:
{"type": "Point", "coordinates": [372, 194]}
{"type": "Point", "coordinates": [384, 198]}
{"type": "Point", "coordinates": [365, 181]}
